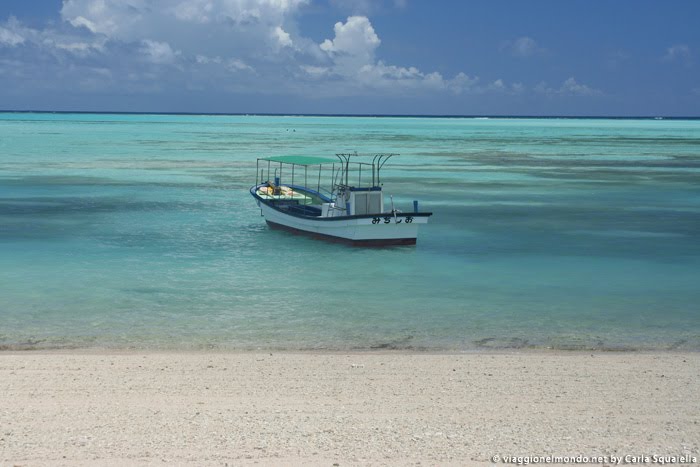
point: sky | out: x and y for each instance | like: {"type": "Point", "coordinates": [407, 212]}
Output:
{"type": "Point", "coordinates": [414, 57]}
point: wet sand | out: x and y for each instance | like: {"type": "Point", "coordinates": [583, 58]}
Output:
{"type": "Point", "coordinates": [190, 408]}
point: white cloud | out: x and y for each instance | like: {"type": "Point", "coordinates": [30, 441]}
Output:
{"type": "Point", "coordinates": [282, 37]}
{"type": "Point", "coordinates": [523, 47]}
{"type": "Point", "coordinates": [81, 48]}
{"type": "Point", "coordinates": [158, 52]}
{"type": "Point", "coordinates": [204, 60]}
{"type": "Point", "coordinates": [51, 41]}
{"type": "Point", "coordinates": [497, 85]}
{"type": "Point", "coordinates": [10, 38]}
{"type": "Point", "coordinates": [223, 35]}
{"type": "Point", "coordinates": [79, 21]}
{"type": "Point", "coordinates": [235, 64]}
{"type": "Point", "coordinates": [189, 25]}
{"type": "Point", "coordinates": [570, 87]}
{"type": "Point", "coordinates": [355, 38]}
{"type": "Point", "coordinates": [316, 71]}
{"type": "Point", "coordinates": [678, 53]}
{"type": "Point", "coordinates": [462, 83]}
{"type": "Point", "coordinates": [382, 75]}
{"type": "Point", "coordinates": [11, 34]}
{"type": "Point", "coordinates": [236, 11]}
{"type": "Point", "coordinates": [352, 52]}
{"type": "Point", "coordinates": [231, 64]}
{"type": "Point", "coordinates": [99, 16]}
{"type": "Point", "coordinates": [195, 11]}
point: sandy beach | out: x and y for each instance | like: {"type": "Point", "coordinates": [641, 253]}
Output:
{"type": "Point", "coordinates": [147, 408]}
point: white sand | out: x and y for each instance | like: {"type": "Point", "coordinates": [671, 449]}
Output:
{"type": "Point", "coordinates": [91, 408]}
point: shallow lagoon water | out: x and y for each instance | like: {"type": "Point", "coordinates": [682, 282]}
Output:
{"type": "Point", "coordinates": [138, 231]}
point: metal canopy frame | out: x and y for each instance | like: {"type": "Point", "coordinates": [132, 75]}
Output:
{"type": "Point", "coordinates": [342, 175]}
{"type": "Point", "coordinates": [378, 161]}
{"type": "Point", "coordinates": [304, 161]}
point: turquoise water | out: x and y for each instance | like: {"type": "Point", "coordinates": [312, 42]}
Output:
{"type": "Point", "coordinates": [138, 231]}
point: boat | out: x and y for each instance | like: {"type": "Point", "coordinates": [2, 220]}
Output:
{"type": "Point", "coordinates": [328, 198]}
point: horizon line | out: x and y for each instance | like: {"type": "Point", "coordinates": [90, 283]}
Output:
{"type": "Point", "coordinates": [298, 114]}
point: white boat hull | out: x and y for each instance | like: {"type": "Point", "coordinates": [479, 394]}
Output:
{"type": "Point", "coordinates": [379, 229]}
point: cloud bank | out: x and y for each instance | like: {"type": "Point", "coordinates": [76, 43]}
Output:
{"type": "Point", "coordinates": [233, 46]}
